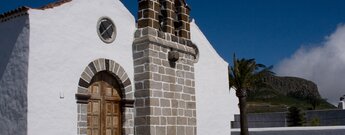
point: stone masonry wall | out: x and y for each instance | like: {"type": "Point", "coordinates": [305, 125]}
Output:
{"type": "Point", "coordinates": [164, 91]}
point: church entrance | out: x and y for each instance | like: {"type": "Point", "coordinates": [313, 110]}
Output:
{"type": "Point", "coordinates": [104, 107]}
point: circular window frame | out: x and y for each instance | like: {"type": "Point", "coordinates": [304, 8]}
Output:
{"type": "Point", "coordinates": [114, 33]}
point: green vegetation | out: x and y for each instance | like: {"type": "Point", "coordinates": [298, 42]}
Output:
{"type": "Point", "coordinates": [270, 100]}
{"type": "Point", "coordinates": [245, 74]}
{"type": "Point", "coordinates": [296, 117]}
{"type": "Point", "coordinates": [315, 122]}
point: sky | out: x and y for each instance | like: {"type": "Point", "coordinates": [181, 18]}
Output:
{"type": "Point", "coordinates": [295, 36]}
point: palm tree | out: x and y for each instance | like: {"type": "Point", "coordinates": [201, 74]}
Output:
{"type": "Point", "coordinates": [246, 75]}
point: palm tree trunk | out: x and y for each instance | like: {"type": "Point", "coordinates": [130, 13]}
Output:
{"type": "Point", "coordinates": [243, 112]}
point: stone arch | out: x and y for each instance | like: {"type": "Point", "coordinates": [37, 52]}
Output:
{"type": "Point", "coordinates": [82, 95]}
{"type": "Point", "coordinates": [113, 68]}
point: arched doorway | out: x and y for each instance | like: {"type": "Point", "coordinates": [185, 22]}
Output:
{"type": "Point", "coordinates": [123, 85]}
{"type": "Point", "coordinates": [104, 106]}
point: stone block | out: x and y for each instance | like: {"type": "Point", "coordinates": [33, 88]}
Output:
{"type": "Point", "coordinates": [161, 70]}
{"type": "Point", "coordinates": [165, 103]}
{"type": "Point", "coordinates": [188, 82]}
{"type": "Point", "coordinates": [161, 130]}
{"type": "Point", "coordinates": [141, 47]}
{"type": "Point", "coordinates": [141, 93]}
{"type": "Point", "coordinates": [180, 81]}
{"type": "Point", "coordinates": [157, 48]}
{"type": "Point", "coordinates": [188, 113]}
{"type": "Point", "coordinates": [157, 111]}
{"type": "Point", "coordinates": [139, 85]}
{"type": "Point", "coordinates": [182, 104]}
{"type": "Point", "coordinates": [138, 55]}
{"type": "Point", "coordinates": [180, 73]}
{"type": "Point", "coordinates": [181, 121]}
{"type": "Point", "coordinates": [171, 120]}
{"type": "Point", "coordinates": [154, 120]}
{"type": "Point", "coordinates": [141, 61]}
{"type": "Point", "coordinates": [180, 112]}
{"type": "Point", "coordinates": [142, 76]}
{"type": "Point", "coordinates": [151, 68]}
{"type": "Point", "coordinates": [140, 121]}
{"type": "Point", "coordinates": [170, 71]}
{"type": "Point", "coordinates": [174, 112]}
{"type": "Point", "coordinates": [152, 102]}
{"type": "Point", "coordinates": [162, 55]}
{"type": "Point", "coordinates": [190, 131]}
{"type": "Point", "coordinates": [168, 79]}
{"type": "Point", "coordinates": [191, 121]}
{"type": "Point", "coordinates": [191, 105]}
{"type": "Point", "coordinates": [189, 75]}
{"type": "Point", "coordinates": [143, 130]}
{"type": "Point", "coordinates": [157, 93]}
{"type": "Point", "coordinates": [86, 77]}
{"type": "Point", "coordinates": [168, 95]}
{"type": "Point", "coordinates": [181, 130]}
{"type": "Point", "coordinates": [166, 111]}
{"type": "Point", "coordinates": [177, 95]}
{"type": "Point", "coordinates": [157, 77]}
{"type": "Point", "coordinates": [166, 86]}
{"type": "Point", "coordinates": [156, 85]}
{"type": "Point", "coordinates": [178, 88]}
{"type": "Point", "coordinates": [171, 130]}
{"type": "Point", "coordinates": [137, 34]}
{"type": "Point", "coordinates": [153, 54]}
{"type": "Point", "coordinates": [174, 103]}
{"type": "Point", "coordinates": [139, 103]}
{"type": "Point", "coordinates": [186, 97]}
{"type": "Point", "coordinates": [139, 69]}
{"type": "Point", "coordinates": [82, 124]}
{"type": "Point", "coordinates": [163, 120]}
{"type": "Point", "coordinates": [157, 61]}
{"type": "Point", "coordinates": [189, 90]}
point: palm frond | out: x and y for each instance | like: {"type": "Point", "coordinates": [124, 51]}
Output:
{"type": "Point", "coordinates": [247, 74]}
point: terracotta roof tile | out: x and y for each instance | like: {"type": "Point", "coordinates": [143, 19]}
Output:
{"type": "Point", "coordinates": [55, 4]}
{"type": "Point", "coordinates": [13, 13]}
{"type": "Point", "coordinates": [23, 10]}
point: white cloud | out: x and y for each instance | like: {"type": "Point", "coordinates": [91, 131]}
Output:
{"type": "Point", "coordinates": [324, 65]}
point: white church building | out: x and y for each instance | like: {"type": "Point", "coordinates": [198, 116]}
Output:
{"type": "Point", "coordinates": [88, 67]}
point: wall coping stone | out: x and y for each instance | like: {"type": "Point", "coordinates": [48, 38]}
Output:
{"type": "Point", "coordinates": [151, 35]}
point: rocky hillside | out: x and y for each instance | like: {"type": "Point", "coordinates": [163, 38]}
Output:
{"type": "Point", "coordinates": [293, 86]}
{"type": "Point", "coordinates": [283, 92]}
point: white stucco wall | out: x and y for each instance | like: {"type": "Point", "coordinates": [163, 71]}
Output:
{"type": "Point", "coordinates": [63, 42]}
{"type": "Point", "coordinates": [14, 51]}
{"type": "Point", "coordinates": [341, 105]}
{"type": "Point", "coordinates": [216, 105]}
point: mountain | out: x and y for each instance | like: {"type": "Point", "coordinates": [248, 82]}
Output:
{"type": "Point", "coordinates": [293, 86]}
{"type": "Point", "coordinates": [280, 93]}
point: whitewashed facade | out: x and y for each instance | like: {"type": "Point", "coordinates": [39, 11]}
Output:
{"type": "Point", "coordinates": [46, 52]}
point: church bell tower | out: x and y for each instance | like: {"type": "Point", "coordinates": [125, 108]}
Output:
{"type": "Point", "coordinates": [164, 58]}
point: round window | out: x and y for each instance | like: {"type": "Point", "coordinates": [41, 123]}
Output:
{"type": "Point", "coordinates": [106, 30]}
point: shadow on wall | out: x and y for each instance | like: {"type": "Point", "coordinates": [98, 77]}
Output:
{"type": "Point", "coordinates": [9, 33]}
{"type": "Point", "coordinates": [14, 51]}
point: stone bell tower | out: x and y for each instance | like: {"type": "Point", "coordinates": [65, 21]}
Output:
{"type": "Point", "coordinates": [164, 58]}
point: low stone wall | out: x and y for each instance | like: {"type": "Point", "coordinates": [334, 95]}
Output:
{"type": "Point", "coordinates": [261, 120]}
{"type": "Point", "coordinates": [327, 117]}
{"type": "Point", "coordinates": [335, 130]}
{"type": "Point", "coordinates": [256, 120]}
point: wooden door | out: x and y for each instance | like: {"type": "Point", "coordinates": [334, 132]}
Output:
{"type": "Point", "coordinates": [104, 108]}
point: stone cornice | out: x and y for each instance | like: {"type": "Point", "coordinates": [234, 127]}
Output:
{"type": "Point", "coordinates": [150, 35]}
